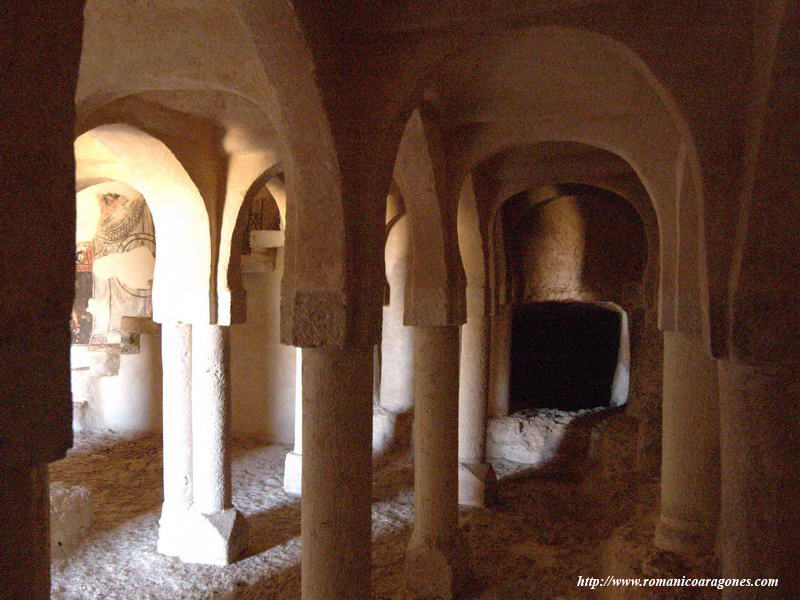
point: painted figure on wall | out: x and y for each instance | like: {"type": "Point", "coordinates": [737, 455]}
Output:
{"type": "Point", "coordinates": [81, 321]}
{"type": "Point", "coordinates": [120, 260]}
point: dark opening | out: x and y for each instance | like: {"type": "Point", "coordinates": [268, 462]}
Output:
{"type": "Point", "coordinates": [563, 355]}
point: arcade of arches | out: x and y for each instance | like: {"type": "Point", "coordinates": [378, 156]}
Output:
{"type": "Point", "coordinates": [517, 277]}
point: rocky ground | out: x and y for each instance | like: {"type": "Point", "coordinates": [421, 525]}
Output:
{"type": "Point", "coordinates": [546, 529]}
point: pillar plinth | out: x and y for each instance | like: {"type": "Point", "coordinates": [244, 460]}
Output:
{"type": "Point", "coordinates": [760, 494]}
{"type": "Point", "coordinates": [476, 478]}
{"type": "Point", "coordinates": [176, 356]}
{"type": "Point", "coordinates": [433, 560]}
{"type": "Point", "coordinates": [690, 448]}
{"type": "Point", "coordinates": [216, 531]}
{"type": "Point", "coordinates": [293, 465]}
{"type": "Point", "coordinates": [337, 473]}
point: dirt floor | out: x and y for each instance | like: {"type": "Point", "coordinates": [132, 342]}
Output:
{"type": "Point", "coordinates": [545, 530]}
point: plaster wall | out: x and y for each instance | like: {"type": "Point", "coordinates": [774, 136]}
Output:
{"type": "Point", "coordinates": [131, 401]}
{"type": "Point", "coordinates": [262, 369]}
{"type": "Point", "coordinates": [397, 357]}
{"type": "Point", "coordinates": [124, 398]}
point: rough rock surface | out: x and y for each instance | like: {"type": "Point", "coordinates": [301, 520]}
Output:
{"type": "Point", "coordinates": [543, 533]}
{"type": "Point", "coordinates": [629, 552]}
{"type": "Point", "coordinates": [538, 437]}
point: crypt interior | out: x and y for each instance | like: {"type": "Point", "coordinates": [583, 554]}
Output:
{"type": "Point", "coordinates": [423, 300]}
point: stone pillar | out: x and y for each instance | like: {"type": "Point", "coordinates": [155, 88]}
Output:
{"type": "Point", "coordinates": [293, 466]}
{"type": "Point", "coordinates": [217, 531]}
{"type": "Point", "coordinates": [760, 494]}
{"type": "Point", "coordinates": [476, 478]}
{"type": "Point", "coordinates": [690, 447]}
{"type": "Point", "coordinates": [433, 560]}
{"type": "Point", "coordinates": [176, 358]}
{"type": "Point", "coordinates": [337, 473]}
{"type": "Point", "coordinates": [25, 530]}
{"type": "Point", "coordinates": [500, 362]}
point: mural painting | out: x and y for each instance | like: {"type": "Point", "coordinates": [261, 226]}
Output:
{"type": "Point", "coordinates": [114, 270]}
{"type": "Point", "coordinates": [81, 321]}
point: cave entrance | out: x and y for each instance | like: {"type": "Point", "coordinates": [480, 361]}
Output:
{"type": "Point", "coordinates": [569, 356]}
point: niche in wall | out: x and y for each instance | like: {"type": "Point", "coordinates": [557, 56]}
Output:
{"type": "Point", "coordinates": [566, 355]}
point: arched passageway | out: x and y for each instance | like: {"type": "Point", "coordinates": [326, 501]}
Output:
{"type": "Point", "coordinates": [565, 355]}
{"type": "Point", "coordinates": [576, 331]}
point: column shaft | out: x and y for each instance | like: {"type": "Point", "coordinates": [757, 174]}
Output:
{"type": "Point", "coordinates": [211, 406]}
{"type": "Point", "coordinates": [337, 473]}
{"type": "Point", "coordinates": [760, 495]}
{"type": "Point", "coordinates": [432, 562]}
{"type": "Point", "coordinates": [217, 533]}
{"type": "Point", "coordinates": [176, 357]}
{"type": "Point", "coordinates": [690, 448]}
{"type": "Point", "coordinates": [475, 476]}
{"type": "Point", "coordinates": [25, 530]}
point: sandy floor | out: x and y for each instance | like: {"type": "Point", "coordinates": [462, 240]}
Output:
{"type": "Point", "coordinates": [544, 532]}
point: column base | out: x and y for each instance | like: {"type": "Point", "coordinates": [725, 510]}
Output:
{"type": "Point", "coordinates": [293, 474]}
{"type": "Point", "coordinates": [684, 537]}
{"type": "Point", "coordinates": [215, 538]}
{"type": "Point", "coordinates": [629, 553]}
{"type": "Point", "coordinates": [477, 484]}
{"type": "Point", "coordinates": [433, 572]}
{"type": "Point", "coordinates": [172, 530]}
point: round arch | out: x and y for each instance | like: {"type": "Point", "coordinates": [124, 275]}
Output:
{"type": "Point", "coordinates": [182, 279]}
{"type": "Point", "coordinates": [484, 112]}
{"type": "Point", "coordinates": [618, 179]}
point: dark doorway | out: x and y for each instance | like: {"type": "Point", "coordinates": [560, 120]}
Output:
{"type": "Point", "coordinates": [563, 355]}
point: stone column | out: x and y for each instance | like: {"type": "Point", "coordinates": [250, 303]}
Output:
{"type": "Point", "coordinates": [760, 495]}
{"type": "Point", "coordinates": [176, 358]}
{"type": "Point", "coordinates": [433, 560]}
{"type": "Point", "coordinates": [476, 478]}
{"type": "Point", "coordinates": [337, 473]}
{"type": "Point", "coordinates": [500, 362]}
{"type": "Point", "coordinates": [690, 447]}
{"type": "Point", "coordinates": [217, 531]}
{"type": "Point", "coordinates": [293, 466]}
{"type": "Point", "coordinates": [25, 530]}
